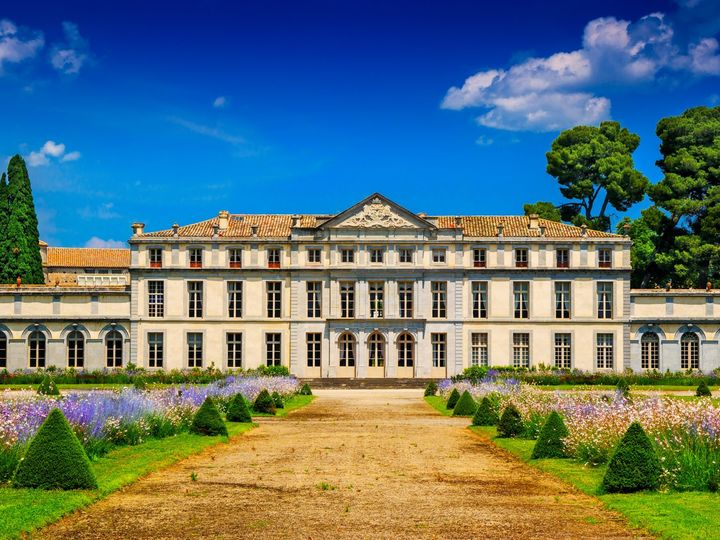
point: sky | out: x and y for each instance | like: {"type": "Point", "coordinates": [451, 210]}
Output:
{"type": "Point", "coordinates": [169, 112]}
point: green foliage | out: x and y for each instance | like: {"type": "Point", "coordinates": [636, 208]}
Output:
{"type": "Point", "coordinates": [453, 399]}
{"type": "Point", "coordinates": [207, 420]}
{"type": "Point", "coordinates": [305, 390]}
{"type": "Point", "coordinates": [431, 389]}
{"type": "Point", "coordinates": [139, 383]}
{"type": "Point", "coordinates": [278, 400]}
{"type": "Point", "coordinates": [55, 459]}
{"type": "Point", "coordinates": [272, 371]}
{"type": "Point", "coordinates": [486, 413]}
{"type": "Point", "coordinates": [545, 210]}
{"type": "Point", "coordinates": [634, 465]}
{"type": "Point", "coordinates": [550, 442]}
{"type": "Point", "coordinates": [264, 403]}
{"type": "Point", "coordinates": [238, 410]}
{"type": "Point", "coordinates": [510, 424]}
{"type": "Point", "coordinates": [465, 406]}
{"type": "Point", "coordinates": [4, 213]}
{"type": "Point", "coordinates": [623, 387]}
{"type": "Point", "coordinates": [473, 374]}
{"type": "Point", "coordinates": [48, 387]}
{"type": "Point", "coordinates": [703, 390]}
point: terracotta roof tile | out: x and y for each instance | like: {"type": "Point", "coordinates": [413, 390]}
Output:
{"type": "Point", "coordinates": [88, 258]}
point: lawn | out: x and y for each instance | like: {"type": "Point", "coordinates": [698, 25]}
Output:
{"type": "Point", "coordinates": [633, 387]}
{"type": "Point", "coordinates": [295, 402]}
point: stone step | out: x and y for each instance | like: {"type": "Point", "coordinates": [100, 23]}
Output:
{"type": "Point", "coordinates": [366, 383]}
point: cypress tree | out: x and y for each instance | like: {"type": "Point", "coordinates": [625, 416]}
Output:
{"type": "Point", "coordinates": [21, 239]}
{"type": "Point", "coordinates": [4, 211]}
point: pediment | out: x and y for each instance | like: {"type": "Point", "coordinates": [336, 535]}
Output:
{"type": "Point", "coordinates": [377, 212]}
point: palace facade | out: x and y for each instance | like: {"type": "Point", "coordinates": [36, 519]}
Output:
{"type": "Point", "coordinates": [374, 291]}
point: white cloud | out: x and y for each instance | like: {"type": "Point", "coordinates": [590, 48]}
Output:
{"type": "Point", "coordinates": [557, 92]}
{"type": "Point", "coordinates": [208, 131]}
{"type": "Point", "coordinates": [96, 242]}
{"type": "Point", "coordinates": [53, 149]}
{"type": "Point", "coordinates": [220, 102]}
{"type": "Point", "coordinates": [18, 44]}
{"type": "Point", "coordinates": [50, 149]}
{"type": "Point", "coordinates": [105, 211]}
{"type": "Point", "coordinates": [37, 159]}
{"type": "Point", "coordinates": [483, 140]}
{"type": "Point", "coordinates": [71, 56]}
{"type": "Point", "coordinates": [71, 156]}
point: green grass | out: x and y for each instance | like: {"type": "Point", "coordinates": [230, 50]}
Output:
{"type": "Point", "coordinates": [438, 403]}
{"type": "Point", "coordinates": [633, 387]}
{"type": "Point", "coordinates": [295, 402]}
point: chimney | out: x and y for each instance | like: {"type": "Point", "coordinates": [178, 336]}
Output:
{"type": "Point", "coordinates": [295, 221]}
{"type": "Point", "coordinates": [458, 222]}
{"type": "Point", "coordinates": [223, 219]}
{"type": "Point", "coordinates": [584, 230]}
{"type": "Point", "coordinates": [138, 228]}
{"type": "Point", "coordinates": [708, 286]}
{"type": "Point", "coordinates": [175, 228]}
{"type": "Point", "coordinates": [500, 229]}
{"type": "Point", "coordinates": [216, 230]}
{"type": "Point", "coordinates": [254, 230]}
{"type": "Point", "coordinates": [626, 229]}
{"type": "Point", "coordinates": [542, 231]}
{"type": "Point", "coordinates": [534, 222]}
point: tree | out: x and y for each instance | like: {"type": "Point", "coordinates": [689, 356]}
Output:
{"type": "Point", "coordinates": [21, 240]}
{"type": "Point", "coordinates": [595, 169]}
{"type": "Point", "coordinates": [4, 211]}
{"type": "Point", "coordinates": [543, 209]}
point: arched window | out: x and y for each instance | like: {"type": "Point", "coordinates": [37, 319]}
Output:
{"type": "Point", "coordinates": [689, 351]}
{"type": "Point", "coordinates": [3, 349]}
{"type": "Point", "coordinates": [75, 349]}
{"type": "Point", "coordinates": [347, 344]}
{"type": "Point", "coordinates": [376, 348]}
{"type": "Point", "coordinates": [37, 349]}
{"type": "Point", "coordinates": [406, 350]}
{"type": "Point", "coordinates": [650, 351]}
{"type": "Point", "coordinates": [113, 349]}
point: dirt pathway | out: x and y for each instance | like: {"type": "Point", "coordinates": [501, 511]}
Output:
{"type": "Point", "coordinates": [354, 464]}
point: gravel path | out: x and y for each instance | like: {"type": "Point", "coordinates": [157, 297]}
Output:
{"type": "Point", "coordinates": [353, 464]}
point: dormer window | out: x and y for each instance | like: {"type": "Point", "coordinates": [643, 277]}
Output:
{"type": "Point", "coordinates": [521, 258]}
{"type": "Point", "coordinates": [235, 257]}
{"type": "Point", "coordinates": [273, 255]}
{"type": "Point", "coordinates": [605, 258]}
{"type": "Point", "coordinates": [155, 256]}
{"type": "Point", "coordinates": [479, 258]}
{"type": "Point", "coordinates": [562, 258]}
{"type": "Point", "coordinates": [376, 255]}
{"type": "Point", "coordinates": [196, 257]}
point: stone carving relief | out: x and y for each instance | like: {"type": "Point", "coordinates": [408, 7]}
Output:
{"type": "Point", "coordinates": [377, 215]}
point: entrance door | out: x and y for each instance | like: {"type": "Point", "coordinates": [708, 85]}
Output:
{"type": "Point", "coordinates": [347, 349]}
{"type": "Point", "coordinates": [376, 355]}
{"type": "Point", "coordinates": [405, 356]}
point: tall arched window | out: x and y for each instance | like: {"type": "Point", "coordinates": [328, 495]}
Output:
{"type": "Point", "coordinates": [113, 349]}
{"type": "Point", "coordinates": [689, 351]}
{"type": "Point", "coordinates": [347, 344]}
{"type": "Point", "coordinates": [406, 350]}
{"type": "Point", "coordinates": [376, 348]}
{"type": "Point", "coordinates": [3, 349]}
{"type": "Point", "coordinates": [75, 349]}
{"type": "Point", "coordinates": [650, 351]}
{"type": "Point", "coordinates": [37, 349]}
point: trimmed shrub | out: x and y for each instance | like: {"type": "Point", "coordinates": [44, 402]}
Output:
{"type": "Point", "coordinates": [48, 387]}
{"type": "Point", "coordinates": [305, 390]}
{"type": "Point", "coordinates": [139, 383]}
{"type": "Point", "coordinates": [278, 400]}
{"type": "Point", "coordinates": [550, 441]}
{"type": "Point", "coordinates": [703, 390]}
{"type": "Point", "coordinates": [486, 414]}
{"type": "Point", "coordinates": [238, 410]}
{"type": "Point", "coordinates": [634, 465]}
{"type": "Point", "coordinates": [510, 424]}
{"type": "Point", "coordinates": [465, 406]}
{"type": "Point", "coordinates": [55, 459]}
{"type": "Point", "coordinates": [207, 420]}
{"type": "Point", "coordinates": [264, 402]}
{"type": "Point", "coordinates": [431, 389]}
{"type": "Point", "coordinates": [623, 387]}
{"type": "Point", "coordinates": [453, 399]}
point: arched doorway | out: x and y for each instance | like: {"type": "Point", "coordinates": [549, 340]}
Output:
{"type": "Point", "coordinates": [347, 355]}
{"type": "Point", "coordinates": [377, 355]}
{"type": "Point", "coordinates": [406, 355]}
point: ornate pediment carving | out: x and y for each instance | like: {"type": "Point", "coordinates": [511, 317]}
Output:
{"type": "Point", "coordinates": [376, 215]}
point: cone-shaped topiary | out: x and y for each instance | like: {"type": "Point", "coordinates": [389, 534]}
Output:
{"type": "Point", "coordinates": [703, 390]}
{"type": "Point", "coordinates": [510, 423]}
{"type": "Point", "coordinates": [55, 458]}
{"type": "Point", "coordinates": [453, 399]}
{"type": "Point", "coordinates": [48, 387]}
{"type": "Point", "coordinates": [465, 406]}
{"type": "Point", "coordinates": [264, 403]}
{"type": "Point", "coordinates": [238, 410]}
{"type": "Point", "coordinates": [431, 388]}
{"type": "Point", "coordinates": [634, 465]}
{"type": "Point", "coordinates": [278, 400]}
{"type": "Point", "coordinates": [305, 390]}
{"type": "Point", "coordinates": [207, 420]}
{"type": "Point", "coordinates": [550, 441]}
{"type": "Point", "coordinates": [486, 414]}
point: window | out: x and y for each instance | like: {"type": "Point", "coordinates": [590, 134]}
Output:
{"type": "Point", "coordinates": [376, 255]}
{"type": "Point", "coordinates": [406, 299]}
{"type": "Point", "coordinates": [113, 349]}
{"type": "Point", "coordinates": [156, 298]}
{"type": "Point", "coordinates": [563, 351]}
{"type": "Point", "coordinates": [479, 299]}
{"type": "Point", "coordinates": [37, 349]}
{"type": "Point", "coordinates": [347, 344]}
{"type": "Point", "coordinates": [605, 258]}
{"type": "Point", "coordinates": [155, 256]}
{"type": "Point", "coordinates": [521, 350]}
{"type": "Point", "coordinates": [234, 341]}
{"type": "Point", "coordinates": [479, 349]}
{"type": "Point", "coordinates": [235, 257]}
{"type": "Point", "coordinates": [195, 299]}
{"type": "Point", "coordinates": [439, 350]}
{"type": "Point", "coordinates": [521, 297]}
{"type": "Point", "coordinates": [604, 299]}
{"type": "Point", "coordinates": [406, 350]}
{"type": "Point", "coordinates": [156, 351]}
{"type": "Point", "coordinates": [3, 350]}
{"type": "Point", "coordinates": [195, 349]}
{"type": "Point", "coordinates": [521, 258]}
{"type": "Point", "coordinates": [314, 255]}
{"type": "Point", "coordinates": [314, 299]}
{"type": "Point", "coordinates": [439, 299]}
{"type": "Point", "coordinates": [196, 257]}
{"type": "Point", "coordinates": [235, 299]}
{"type": "Point", "coordinates": [347, 299]}
{"type": "Point", "coordinates": [272, 349]}
{"type": "Point", "coordinates": [273, 256]}
{"type": "Point", "coordinates": [689, 351]}
{"type": "Point", "coordinates": [650, 351]}
{"type": "Point", "coordinates": [314, 348]}
{"type": "Point", "coordinates": [75, 349]}
{"type": "Point", "coordinates": [274, 299]}
{"type": "Point", "coordinates": [604, 351]}
{"type": "Point", "coordinates": [347, 255]}
{"type": "Point", "coordinates": [479, 258]}
{"type": "Point", "coordinates": [377, 298]}
{"type": "Point", "coordinates": [438, 255]}
{"type": "Point", "coordinates": [562, 300]}
{"type": "Point", "coordinates": [376, 350]}
{"type": "Point", "coordinates": [562, 258]}
{"type": "Point", "coordinates": [407, 255]}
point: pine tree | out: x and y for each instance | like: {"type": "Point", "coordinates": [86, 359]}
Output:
{"type": "Point", "coordinates": [21, 240]}
{"type": "Point", "coordinates": [4, 211]}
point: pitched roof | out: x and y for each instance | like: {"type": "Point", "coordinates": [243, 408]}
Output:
{"type": "Point", "coordinates": [516, 226]}
{"type": "Point", "coordinates": [88, 257]}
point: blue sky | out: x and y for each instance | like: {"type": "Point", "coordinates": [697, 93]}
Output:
{"type": "Point", "coordinates": [173, 112]}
